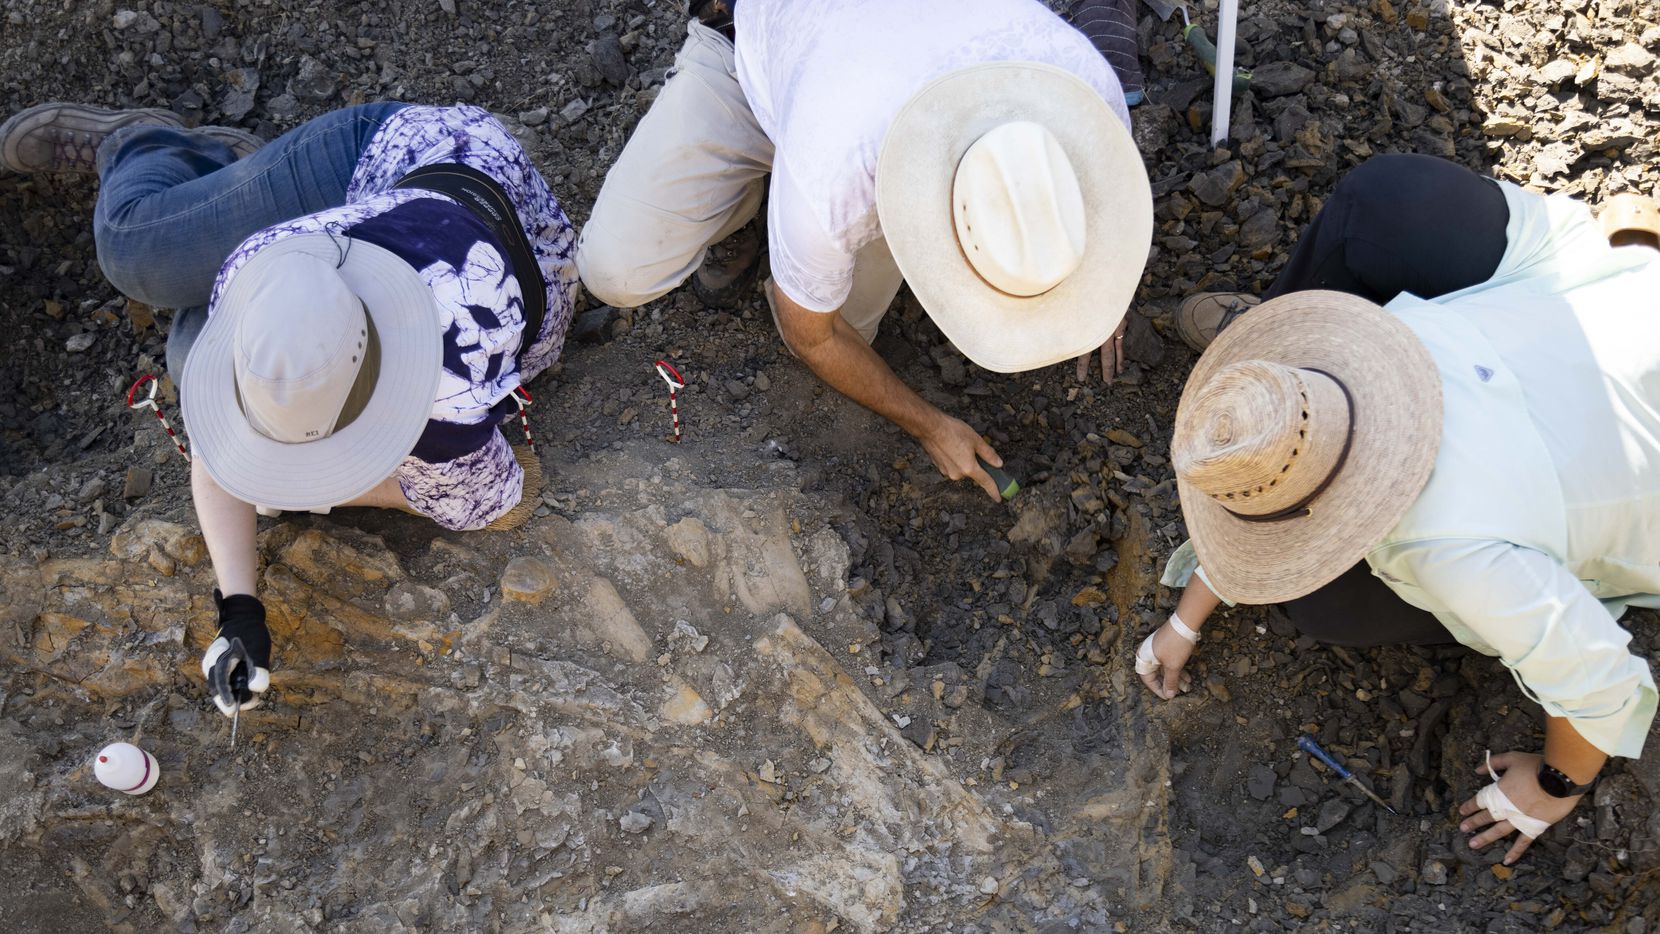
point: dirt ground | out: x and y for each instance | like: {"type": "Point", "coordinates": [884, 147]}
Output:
{"type": "Point", "coordinates": [454, 749]}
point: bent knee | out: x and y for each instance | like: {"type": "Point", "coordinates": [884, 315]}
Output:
{"type": "Point", "coordinates": [118, 260]}
{"type": "Point", "coordinates": [611, 276]}
{"type": "Point", "coordinates": [129, 262]}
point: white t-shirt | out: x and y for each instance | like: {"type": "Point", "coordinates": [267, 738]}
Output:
{"type": "Point", "coordinates": [825, 78]}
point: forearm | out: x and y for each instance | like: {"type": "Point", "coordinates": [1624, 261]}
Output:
{"type": "Point", "coordinates": [841, 358]}
{"type": "Point", "coordinates": [1571, 753]}
{"type": "Point", "coordinates": [228, 528]}
{"type": "Point", "coordinates": [848, 365]}
{"type": "Point", "coordinates": [1196, 604]}
{"type": "Point", "coordinates": [1160, 659]}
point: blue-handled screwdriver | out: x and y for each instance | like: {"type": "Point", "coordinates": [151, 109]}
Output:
{"type": "Point", "coordinates": [1307, 744]}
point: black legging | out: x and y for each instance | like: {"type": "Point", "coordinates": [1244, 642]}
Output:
{"type": "Point", "coordinates": [1397, 223]}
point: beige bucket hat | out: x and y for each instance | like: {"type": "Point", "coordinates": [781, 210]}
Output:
{"type": "Point", "coordinates": [315, 375]}
{"type": "Point", "coordinates": [1305, 433]}
{"type": "Point", "coordinates": [1016, 205]}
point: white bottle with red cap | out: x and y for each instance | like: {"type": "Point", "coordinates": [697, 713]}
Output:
{"type": "Point", "coordinates": [127, 768]}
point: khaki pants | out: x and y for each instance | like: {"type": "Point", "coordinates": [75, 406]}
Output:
{"type": "Point", "coordinates": [694, 172]}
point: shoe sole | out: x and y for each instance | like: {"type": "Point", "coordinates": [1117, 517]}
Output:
{"type": "Point", "coordinates": [98, 119]}
{"type": "Point", "coordinates": [1184, 323]}
{"type": "Point", "coordinates": [1188, 332]}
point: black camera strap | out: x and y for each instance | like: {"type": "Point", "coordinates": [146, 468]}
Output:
{"type": "Point", "coordinates": [484, 197]}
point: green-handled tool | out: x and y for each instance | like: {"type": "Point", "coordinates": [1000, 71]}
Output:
{"type": "Point", "coordinates": [1307, 744]}
{"type": "Point", "coordinates": [1006, 485]}
{"type": "Point", "coordinates": [1206, 52]}
{"type": "Point", "coordinates": [1195, 36]}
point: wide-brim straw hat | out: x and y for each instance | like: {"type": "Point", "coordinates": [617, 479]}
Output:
{"type": "Point", "coordinates": [1394, 434]}
{"type": "Point", "coordinates": [914, 177]}
{"type": "Point", "coordinates": [339, 468]}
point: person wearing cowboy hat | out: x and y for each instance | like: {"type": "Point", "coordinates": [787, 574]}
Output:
{"type": "Point", "coordinates": [977, 149]}
{"type": "Point", "coordinates": [1479, 466]}
{"type": "Point", "coordinates": [359, 299]}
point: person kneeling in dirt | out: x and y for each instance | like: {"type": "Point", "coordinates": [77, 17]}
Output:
{"type": "Point", "coordinates": [978, 149]}
{"type": "Point", "coordinates": [1479, 466]}
{"type": "Point", "coordinates": [361, 299]}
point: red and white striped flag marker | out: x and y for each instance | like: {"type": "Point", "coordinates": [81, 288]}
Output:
{"type": "Point", "coordinates": [676, 383]}
{"type": "Point", "coordinates": [521, 395]}
{"type": "Point", "coordinates": [150, 403]}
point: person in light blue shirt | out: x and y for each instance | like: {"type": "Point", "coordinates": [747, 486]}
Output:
{"type": "Point", "coordinates": [1478, 461]}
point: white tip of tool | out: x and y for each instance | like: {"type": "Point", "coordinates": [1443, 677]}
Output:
{"type": "Point", "coordinates": [126, 768]}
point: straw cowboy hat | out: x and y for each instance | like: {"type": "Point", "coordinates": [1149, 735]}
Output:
{"type": "Point", "coordinates": [1304, 434]}
{"type": "Point", "coordinates": [316, 374]}
{"type": "Point", "coordinates": [1017, 207]}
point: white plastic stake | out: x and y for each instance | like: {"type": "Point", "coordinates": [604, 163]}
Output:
{"type": "Point", "coordinates": [1227, 21]}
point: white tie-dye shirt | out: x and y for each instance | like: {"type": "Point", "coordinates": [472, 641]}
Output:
{"type": "Point", "coordinates": [462, 472]}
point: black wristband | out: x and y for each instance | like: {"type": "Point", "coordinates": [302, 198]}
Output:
{"type": "Point", "coordinates": [1557, 784]}
{"type": "Point", "coordinates": [242, 616]}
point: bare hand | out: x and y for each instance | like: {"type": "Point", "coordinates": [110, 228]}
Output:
{"type": "Point", "coordinates": [1171, 653]}
{"type": "Point", "coordinates": [953, 445]}
{"type": "Point", "coordinates": [1519, 780]}
{"type": "Point", "coordinates": [1111, 353]}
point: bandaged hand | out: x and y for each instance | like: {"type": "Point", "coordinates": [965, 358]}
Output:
{"type": "Point", "coordinates": [1162, 656]}
{"type": "Point", "coordinates": [1514, 802]}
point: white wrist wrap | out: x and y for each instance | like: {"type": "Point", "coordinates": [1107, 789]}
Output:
{"type": "Point", "coordinates": [1145, 661]}
{"type": "Point", "coordinates": [1500, 807]}
{"type": "Point", "coordinates": [1181, 629]}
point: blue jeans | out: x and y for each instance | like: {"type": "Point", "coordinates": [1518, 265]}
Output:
{"type": "Point", "coordinates": [173, 204]}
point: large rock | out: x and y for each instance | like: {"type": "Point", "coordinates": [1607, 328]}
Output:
{"type": "Point", "coordinates": [689, 538]}
{"type": "Point", "coordinates": [527, 580]}
{"type": "Point", "coordinates": [1278, 79]}
{"type": "Point", "coordinates": [457, 761]}
{"type": "Point", "coordinates": [609, 624]}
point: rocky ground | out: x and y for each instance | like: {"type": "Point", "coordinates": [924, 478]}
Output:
{"type": "Point", "coordinates": [780, 677]}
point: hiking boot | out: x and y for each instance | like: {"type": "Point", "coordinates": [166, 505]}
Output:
{"type": "Point", "coordinates": [1629, 218]}
{"type": "Point", "coordinates": [716, 14]}
{"type": "Point", "coordinates": [728, 269]}
{"type": "Point", "coordinates": [59, 137]}
{"type": "Point", "coordinates": [1204, 315]}
{"type": "Point", "coordinates": [243, 143]}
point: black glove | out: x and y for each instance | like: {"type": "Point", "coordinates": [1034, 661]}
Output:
{"type": "Point", "coordinates": [237, 664]}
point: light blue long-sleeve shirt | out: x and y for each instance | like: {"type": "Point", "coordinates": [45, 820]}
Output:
{"type": "Point", "coordinates": [1540, 523]}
